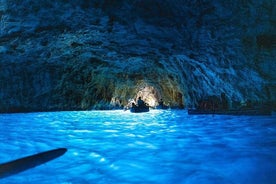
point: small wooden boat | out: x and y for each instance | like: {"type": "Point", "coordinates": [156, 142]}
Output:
{"type": "Point", "coordinates": [247, 112]}
{"type": "Point", "coordinates": [139, 109]}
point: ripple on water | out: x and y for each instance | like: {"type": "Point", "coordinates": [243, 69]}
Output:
{"type": "Point", "coordinates": [154, 147]}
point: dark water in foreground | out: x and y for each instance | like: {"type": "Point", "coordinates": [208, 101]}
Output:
{"type": "Point", "coordinates": [155, 147]}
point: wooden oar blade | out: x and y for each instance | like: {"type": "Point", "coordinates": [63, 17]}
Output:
{"type": "Point", "coordinates": [22, 164]}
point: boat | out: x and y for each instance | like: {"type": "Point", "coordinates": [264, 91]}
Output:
{"type": "Point", "coordinates": [139, 109]}
{"type": "Point", "coordinates": [238, 112]}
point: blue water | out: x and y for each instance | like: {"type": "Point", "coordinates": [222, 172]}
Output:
{"type": "Point", "coordinates": [154, 147]}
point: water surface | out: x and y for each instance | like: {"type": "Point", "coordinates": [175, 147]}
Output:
{"type": "Point", "coordinates": [154, 147]}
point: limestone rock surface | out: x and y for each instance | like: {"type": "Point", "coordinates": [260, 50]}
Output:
{"type": "Point", "coordinates": [101, 54]}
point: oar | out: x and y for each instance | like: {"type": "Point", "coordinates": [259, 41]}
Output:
{"type": "Point", "coordinates": [22, 164]}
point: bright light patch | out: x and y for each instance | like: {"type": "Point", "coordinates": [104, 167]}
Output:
{"type": "Point", "coordinates": [93, 154]}
{"type": "Point", "coordinates": [150, 95]}
{"type": "Point", "coordinates": [151, 101]}
{"type": "Point", "coordinates": [102, 160]}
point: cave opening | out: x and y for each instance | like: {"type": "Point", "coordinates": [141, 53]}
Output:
{"type": "Point", "coordinates": [149, 94]}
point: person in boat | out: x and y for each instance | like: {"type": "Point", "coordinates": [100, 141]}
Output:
{"type": "Point", "coordinates": [133, 105]}
{"type": "Point", "coordinates": [141, 103]}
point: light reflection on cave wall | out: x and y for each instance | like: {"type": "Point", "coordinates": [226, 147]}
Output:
{"type": "Point", "coordinates": [82, 55]}
{"type": "Point", "coordinates": [151, 91]}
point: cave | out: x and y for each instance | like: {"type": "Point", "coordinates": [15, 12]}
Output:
{"type": "Point", "coordinates": [71, 69]}
{"type": "Point", "coordinates": [95, 55]}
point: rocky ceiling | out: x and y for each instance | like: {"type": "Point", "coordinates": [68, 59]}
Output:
{"type": "Point", "coordinates": [79, 55]}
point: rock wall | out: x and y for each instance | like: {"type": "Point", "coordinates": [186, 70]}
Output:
{"type": "Point", "coordinates": [79, 55]}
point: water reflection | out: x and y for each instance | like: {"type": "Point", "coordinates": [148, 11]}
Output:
{"type": "Point", "coordinates": [154, 147]}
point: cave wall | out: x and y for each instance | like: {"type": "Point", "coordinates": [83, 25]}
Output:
{"type": "Point", "coordinates": [75, 55]}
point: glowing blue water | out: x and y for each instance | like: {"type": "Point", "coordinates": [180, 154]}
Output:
{"type": "Point", "coordinates": [155, 147]}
